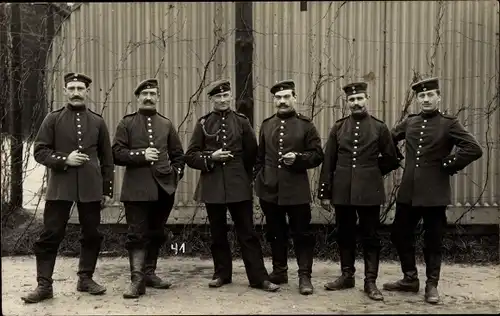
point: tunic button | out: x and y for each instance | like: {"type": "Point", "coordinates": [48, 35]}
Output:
{"type": "Point", "coordinates": [354, 159]}
{"type": "Point", "coordinates": [354, 153]}
{"type": "Point", "coordinates": [282, 121]}
{"type": "Point", "coordinates": [418, 152]}
{"type": "Point", "coordinates": [354, 166]}
{"type": "Point", "coordinates": [355, 140]}
{"type": "Point", "coordinates": [357, 127]}
{"type": "Point", "coordinates": [151, 143]}
{"type": "Point", "coordinates": [150, 130]}
{"type": "Point", "coordinates": [279, 166]}
{"type": "Point", "coordinates": [80, 146]}
{"type": "Point", "coordinates": [150, 136]}
{"type": "Point", "coordinates": [79, 126]}
{"type": "Point", "coordinates": [281, 134]}
{"type": "Point", "coordinates": [423, 126]}
{"type": "Point", "coordinates": [421, 133]}
{"type": "Point", "coordinates": [149, 119]}
{"type": "Point", "coordinates": [280, 153]}
{"type": "Point", "coordinates": [357, 123]}
{"type": "Point", "coordinates": [425, 121]}
{"type": "Point", "coordinates": [355, 134]}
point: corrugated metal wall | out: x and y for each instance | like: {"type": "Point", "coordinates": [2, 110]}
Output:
{"type": "Point", "coordinates": [323, 48]}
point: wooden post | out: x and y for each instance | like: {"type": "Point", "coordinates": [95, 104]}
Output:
{"type": "Point", "coordinates": [244, 59]}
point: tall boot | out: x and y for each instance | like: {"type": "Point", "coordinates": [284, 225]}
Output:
{"type": "Point", "coordinates": [433, 270]}
{"type": "Point", "coordinates": [44, 270]}
{"type": "Point", "coordinates": [279, 249]}
{"type": "Point", "coordinates": [304, 251]}
{"type": "Point", "coordinates": [150, 277]}
{"type": "Point", "coordinates": [346, 279]}
{"type": "Point", "coordinates": [86, 268]}
{"type": "Point", "coordinates": [137, 286]}
{"type": "Point", "coordinates": [410, 281]}
{"type": "Point", "coordinates": [372, 259]}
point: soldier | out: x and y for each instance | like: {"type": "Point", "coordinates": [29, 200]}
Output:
{"type": "Point", "coordinates": [223, 147]}
{"type": "Point", "coordinates": [359, 152]}
{"type": "Point", "coordinates": [289, 144]}
{"type": "Point", "coordinates": [148, 145]}
{"type": "Point", "coordinates": [73, 143]}
{"type": "Point", "coordinates": [425, 187]}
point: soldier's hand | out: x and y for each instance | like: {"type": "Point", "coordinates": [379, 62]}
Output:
{"type": "Point", "coordinates": [289, 158]}
{"type": "Point", "coordinates": [151, 154]}
{"type": "Point", "coordinates": [76, 158]}
{"type": "Point", "coordinates": [326, 205]}
{"type": "Point", "coordinates": [105, 201]}
{"type": "Point", "coordinates": [221, 155]}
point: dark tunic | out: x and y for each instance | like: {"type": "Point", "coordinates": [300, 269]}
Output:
{"type": "Point", "coordinates": [136, 132]}
{"type": "Point", "coordinates": [430, 139]}
{"type": "Point", "coordinates": [276, 182]}
{"type": "Point", "coordinates": [63, 131]}
{"type": "Point", "coordinates": [223, 182]}
{"type": "Point", "coordinates": [359, 152]}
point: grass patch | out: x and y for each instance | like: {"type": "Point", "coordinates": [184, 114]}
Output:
{"type": "Point", "coordinates": [462, 244]}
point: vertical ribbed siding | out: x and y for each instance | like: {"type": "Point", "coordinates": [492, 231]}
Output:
{"type": "Point", "coordinates": [118, 45]}
{"type": "Point", "coordinates": [323, 48]}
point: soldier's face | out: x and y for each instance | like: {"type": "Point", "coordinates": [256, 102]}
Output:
{"type": "Point", "coordinates": [76, 92]}
{"type": "Point", "coordinates": [221, 101]}
{"type": "Point", "coordinates": [428, 100]}
{"type": "Point", "coordinates": [357, 103]}
{"type": "Point", "coordinates": [148, 98]}
{"type": "Point", "coordinates": [284, 101]}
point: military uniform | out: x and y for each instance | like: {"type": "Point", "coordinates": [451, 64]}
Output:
{"type": "Point", "coordinates": [148, 189]}
{"type": "Point", "coordinates": [63, 131]}
{"type": "Point", "coordinates": [284, 189]}
{"type": "Point", "coordinates": [227, 185]}
{"type": "Point", "coordinates": [359, 152]}
{"type": "Point", "coordinates": [425, 187]}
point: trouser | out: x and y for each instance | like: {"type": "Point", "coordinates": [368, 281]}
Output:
{"type": "Point", "coordinates": [369, 222]}
{"type": "Point", "coordinates": [146, 221]}
{"type": "Point", "coordinates": [299, 218]}
{"type": "Point", "coordinates": [242, 216]}
{"type": "Point", "coordinates": [403, 238]}
{"type": "Point", "coordinates": [55, 220]}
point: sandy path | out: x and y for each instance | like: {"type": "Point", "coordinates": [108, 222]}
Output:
{"type": "Point", "coordinates": [463, 288]}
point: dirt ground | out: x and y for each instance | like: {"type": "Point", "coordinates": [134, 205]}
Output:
{"type": "Point", "coordinates": [464, 289]}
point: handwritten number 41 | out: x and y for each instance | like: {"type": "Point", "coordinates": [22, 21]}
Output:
{"type": "Point", "coordinates": [178, 248]}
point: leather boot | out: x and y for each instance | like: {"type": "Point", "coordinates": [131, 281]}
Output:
{"type": "Point", "coordinates": [304, 249]}
{"type": "Point", "coordinates": [137, 286]}
{"type": "Point", "coordinates": [372, 259]}
{"type": "Point", "coordinates": [150, 277]}
{"type": "Point", "coordinates": [431, 293]}
{"type": "Point", "coordinates": [346, 280]}
{"type": "Point", "coordinates": [410, 281]}
{"type": "Point", "coordinates": [433, 270]}
{"type": "Point", "coordinates": [44, 270]}
{"type": "Point", "coordinates": [86, 268]}
{"type": "Point", "coordinates": [279, 275]}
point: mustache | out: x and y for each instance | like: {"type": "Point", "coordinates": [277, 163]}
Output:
{"type": "Point", "coordinates": [77, 98]}
{"type": "Point", "coordinates": [149, 102]}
